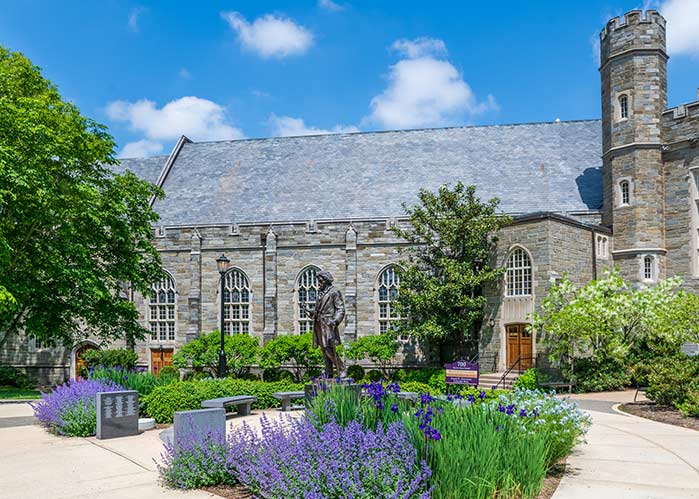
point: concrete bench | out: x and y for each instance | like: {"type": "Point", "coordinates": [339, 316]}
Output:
{"type": "Point", "coordinates": [412, 396]}
{"type": "Point", "coordinates": [242, 403]}
{"type": "Point", "coordinates": [287, 397]}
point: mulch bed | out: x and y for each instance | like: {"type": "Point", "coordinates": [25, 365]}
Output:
{"type": "Point", "coordinates": [661, 413]}
{"type": "Point", "coordinates": [550, 485]}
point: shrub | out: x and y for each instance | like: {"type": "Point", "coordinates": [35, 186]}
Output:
{"type": "Point", "coordinates": [70, 408]}
{"type": "Point", "coordinates": [356, 372]}
{"type": "Point", "coordinates": [380, 349]}
{"type": "Point", "coordinates": [346, 461]}
{"type": "Point", "coordinates": [163, 401]}
{"type": "Point", "coordinates": [200, 460]}
{"type": "Point", "coordinates": [438, 382]}
{"type": "Point", "coordinates": [294, 350]}
{"type": "Point", "coordinates": [528, 380]}
{"type": "Point", "coordinates": [170, 372]}
{"type": "Point", "coordinates": [398, 375]}
{"type": "Point", "coordinates": [601, 375]}
{"type": "Point", "coordinates": [143, 382]}
{"type": "Point", "coordinates": [124, 358]}
{"type": "Point", "coordinates": [202, 353]}
{"type": "Point", "coordinates": [275, 374]}
{"type": "Point", "coordinates": [671, 380]}
{"type": "Point", "coordinates": [11, 376]}
{"type": "Point", "coordinates": [374, 375]}
{"type": "Point", "coordinates": [690, 405]}
{"type": "Point", "coordinates": [415, 387]}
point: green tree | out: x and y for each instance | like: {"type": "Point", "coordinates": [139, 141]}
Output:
{"type": "Point", "coordinates": [450, 260]}
{"type": "Point", "coordinates": [202, 353]}
{"type": "Point", "coordinates": [381, 349]}
{"type": "Point", "coordinates": [607, 319]}
{"type": "Point", "coordinates": [291, 350]}
{"type": "Point", "coordinates": [72, 232]}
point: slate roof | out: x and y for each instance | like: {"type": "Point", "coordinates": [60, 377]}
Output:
{"type": "Point", "coordinates": [530, 167]}
{"type": "Point", "coordinates": [146, 168]}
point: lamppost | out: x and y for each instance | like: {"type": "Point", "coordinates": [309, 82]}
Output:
{"type": "Point", "coordinates": [222, 262]}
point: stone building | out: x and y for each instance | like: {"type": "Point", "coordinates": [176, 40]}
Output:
{"type": "Point", "coordinates": [585, 196]}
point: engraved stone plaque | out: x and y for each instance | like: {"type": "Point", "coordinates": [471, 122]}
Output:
{"type": "Point", "coordinates": [117, 414]}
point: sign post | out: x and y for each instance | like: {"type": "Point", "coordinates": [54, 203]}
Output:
{"type": "Point", "coordinates": [462, 372]}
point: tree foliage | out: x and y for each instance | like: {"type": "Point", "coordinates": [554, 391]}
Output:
{"type": "Point", "coordinates": [380, 349]}
{"type": "Point", "coordinates": [608, 319]}
{"type": "Point", "coordinates": [202, 353]}
{"type": "Point", "coordinates": [294, 351]}
{"type": "Point", "coordinates": [71, 231]}
{"type": "Point", "coordinates": [452, 235]}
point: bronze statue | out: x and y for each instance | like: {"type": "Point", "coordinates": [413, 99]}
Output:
{"type": "Point", "coordinates": [327, 314]}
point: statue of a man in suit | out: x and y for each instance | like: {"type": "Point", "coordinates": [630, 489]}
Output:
{"type": "Point", "coordinates": [327, 316]}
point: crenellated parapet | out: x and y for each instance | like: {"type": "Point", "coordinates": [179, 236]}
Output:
{"type": "Point", "coordinates": [636, 30]}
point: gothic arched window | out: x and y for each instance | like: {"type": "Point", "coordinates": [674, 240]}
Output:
{"type": "Point", "coordinates": [161, 316]}
{"type": "Point", "coordinates": [387, 292]}
{"type": "Point", "coordinates": [236, 302]}
{"type": "Point", "coordinates": [625, 189]}
{"type": "Point", "coordinates": [307, 293]}
{"type": "Point", "coordinates": [624, 107]}
{"type": "Point", "coordinates": [648, 267]}
{"type": "Point", "coordinates": [519, 273]}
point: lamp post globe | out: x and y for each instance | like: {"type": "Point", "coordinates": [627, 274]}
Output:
{"type": "Point", "coordinates": [223, 264]}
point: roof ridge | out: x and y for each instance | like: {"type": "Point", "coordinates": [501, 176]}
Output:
{"type": "Point", "coordinates": [407, 130]}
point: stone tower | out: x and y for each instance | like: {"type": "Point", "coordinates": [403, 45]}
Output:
{"type": "Point", "coordinates": [634, 95]}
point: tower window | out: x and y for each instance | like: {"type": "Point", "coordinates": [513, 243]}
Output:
{"type": "Point", "coordinates": [519, 273]}
{"type": "Point", "coordinates": [625, 189]}
{"type": "Point", "coordinates": [649, 268]}
{"type": "Point", "coordinates": [602, 246]}
{"type": "Point", "coordinates": [624, 107]}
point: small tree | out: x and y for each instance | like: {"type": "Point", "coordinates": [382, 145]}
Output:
{"type": "Point", "coordinates": [380, 349]}
{"type": "Point", "coordinates": [452, 235]}
{"type": "Point", "coordinates": [202, 353]}
{"type": "Point", "coordinates": [295, 350]}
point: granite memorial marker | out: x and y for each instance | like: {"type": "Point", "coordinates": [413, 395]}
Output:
{"type": "Point", "coordinates": [188, 424]}
{"type": "Point", "coordinates": [117, 414]}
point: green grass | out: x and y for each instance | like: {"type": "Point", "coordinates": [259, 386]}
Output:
{"type": "Point", "coordinates": [11, 392]}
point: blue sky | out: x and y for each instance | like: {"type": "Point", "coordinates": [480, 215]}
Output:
{"type": "Point", "coordinates": [227, 69]}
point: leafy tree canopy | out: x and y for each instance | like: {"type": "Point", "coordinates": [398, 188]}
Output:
{"type": "Point", "coordinates": [381, 349]}
{"type": "Point", "coordinates": [202, 353]}
{"type": "Point", "coordinates": [72, 233]}
{"type": "Point", "coordinates": [294, 350]}
{"type": "Point", "coordinates": [453, 236]}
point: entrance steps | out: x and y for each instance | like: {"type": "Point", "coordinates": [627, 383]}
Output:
{"type": "Point", "coordinates": [487, 381]}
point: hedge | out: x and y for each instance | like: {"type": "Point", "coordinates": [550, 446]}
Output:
{"type": "Point", "coordinates": [162, 402]}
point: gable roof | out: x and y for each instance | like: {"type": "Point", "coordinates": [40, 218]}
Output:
{"type": "Point", "coordinates": [145, 168]}
{"type": "Point", "coordinates": [530, 167]}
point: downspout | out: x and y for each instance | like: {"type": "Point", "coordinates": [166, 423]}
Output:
{"type": "Point", "coordinates": [594, 256]}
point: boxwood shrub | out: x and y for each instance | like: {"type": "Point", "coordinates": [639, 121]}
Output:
{"type": "Point", "coordinates": [162, 402]}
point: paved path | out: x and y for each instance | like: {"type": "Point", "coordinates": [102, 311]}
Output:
{"type": "Point", "coordinates": [627, 457]}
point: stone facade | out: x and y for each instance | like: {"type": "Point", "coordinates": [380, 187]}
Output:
{"type": "Point", "coordinates": [638, 210]}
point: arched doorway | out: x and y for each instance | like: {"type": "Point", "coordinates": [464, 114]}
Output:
{"type": "Point", "coordinates": [77, 358]}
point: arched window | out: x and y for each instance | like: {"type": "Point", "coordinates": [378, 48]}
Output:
{"type": "Point", "coordinates": [625, 189]}
{"type": "Point", "coordinates": [307, 289]}
{"type": "Point", "coordinates": [623, 106]}
{"type": "Point", "coordinates": [519, 273]}
{"type": "Point", "coordinates": [648, 267]}
{"type": "Point", "coordinates": [236, 302]}
{"type": "Point", "coordinates": [387, 312]}
{"type": "Point", "coordinates": [162, 309]}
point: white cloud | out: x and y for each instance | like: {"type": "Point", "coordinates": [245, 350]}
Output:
{"type": "Point", "coordinates": [330, 5]}
{"type": "Point", "coordinates": [269, 35]}
{"type": "Point", "coordinates": [682, 20]}
{"type": "Point", "coordinates": [425, 91]}
{"type": "Point", "coordinates": [419, 47]}
{"type": "Point", "coordinates": [199, 119]}
{"type": "Point", "coordinates": [141, 149]}
{"type": "Point", "coordinates": [134, 17]}
{"type": "Point", "coordinates": [286, 126]}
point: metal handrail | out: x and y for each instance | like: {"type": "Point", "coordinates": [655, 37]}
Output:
{"type": "Point", "coordinates": [503, 379]}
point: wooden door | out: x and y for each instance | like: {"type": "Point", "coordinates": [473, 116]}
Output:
{"type": "Point", "coordinates": [519, 344]}
{"type": "Point", "coordinates": [160, 359]}
{"type": "Point", "coordinates": [80, 359]}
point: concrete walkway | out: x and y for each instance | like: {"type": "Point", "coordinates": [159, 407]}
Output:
{"type": "Point", "coordinates": [628, 457]}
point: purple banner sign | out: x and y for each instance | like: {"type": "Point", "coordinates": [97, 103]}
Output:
{"type": "Point", "coordinates": [462, 372]}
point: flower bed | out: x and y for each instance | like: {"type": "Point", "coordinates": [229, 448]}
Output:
{"type": "Point", "coordinates": [482, 445]}
{"type": "Point", "coordinates": [70, 408]}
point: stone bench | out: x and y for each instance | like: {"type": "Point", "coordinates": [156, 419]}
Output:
{"type": "Point", "coordinates": [287, 397]}
{"type": "Point", "coordinates": [412, 396]}
{"type": "Point", "coordinates": [242, 403]}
